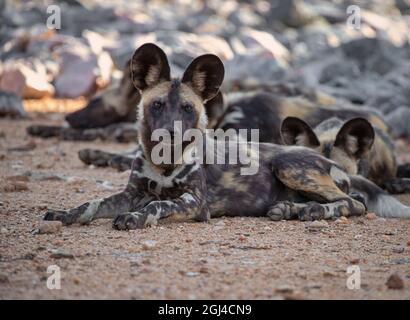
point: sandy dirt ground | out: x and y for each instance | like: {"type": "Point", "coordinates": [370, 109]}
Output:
{"type": "Point", "coordinates": [229, 258]}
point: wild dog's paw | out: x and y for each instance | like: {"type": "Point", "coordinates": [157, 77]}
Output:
{"type": "Point", "coordinates": [57, 215]}
{"type": "Point", "coordinates": [358, 197]}
{"type": "Point", "coordinates": [281, 211]}
{"type": "Point", "coordinates": [96, 157]}
{"type": "Point", "coordinates": [120, 162]}
{"type": "Point", "coordinates": [312, 211]}
{"type": "Point", "coordinates": [129, 221]}
{"type": "Point", "coordinates": [203, 216]}
{"type": "Point", "coordinates": [71, 134]}
{"type": "Point", "coordinates": [44, 131]}
{"type": "Point", "coordinates": [398, 185]}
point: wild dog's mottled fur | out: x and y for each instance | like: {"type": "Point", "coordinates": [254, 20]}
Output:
{"type": "Point", "coordinates": [112, 105]}
{"type": "Point", "coordinates": [377, 200]}
{"type": "Point", "coordinates": [266, 111]}
{"type": "Point", "coordinates": [109, 115]}
{"type": "Point", "coordinates": [292, 182]}
{"type": "Point", "coordinates": [355, 145]}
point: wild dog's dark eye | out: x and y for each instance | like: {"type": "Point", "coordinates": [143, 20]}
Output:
{"type": "Point", "coordinates": [188, 107]}
{"type": "Point", "coordinates": [157, 105]}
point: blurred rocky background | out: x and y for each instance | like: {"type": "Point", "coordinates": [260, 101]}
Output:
{"type": "Point", "coordinates": [363, 59]}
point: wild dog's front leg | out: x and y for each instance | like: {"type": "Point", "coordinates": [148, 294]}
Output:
{"type": "Point", "coordinates": [101, 158]}
{"type": "Point", "coordinates": [190, 203]}
{"type": "Point", "coordinates": [108, 207]}
{"type": "Point", "coordinates": [96, 157]}
{"type": "Point", "coordinates": [188, 206]}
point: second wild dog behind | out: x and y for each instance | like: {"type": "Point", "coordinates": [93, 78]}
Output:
{"type": "Point", "coordinates": [356, 145]}
{"type": "Point", "coordinates": [292, 182]}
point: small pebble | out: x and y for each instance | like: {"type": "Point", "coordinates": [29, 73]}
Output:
{"type": "Point", "coordinates": [48, 227]}
{"type": "Point", "coordinates": [58, 254]}
{"type": "Point", "coordinates": [284, 289]}
{"type": "Point", "coordinates": [203, 270]}
{"type": "Point", "coordinates": [342, 220]}
{"type": "Point", "coordinates": [148, 244]}
{"type": "Point", "coordinates": [4, 278]}
{"type": "Point", "coordinates": [398, 249]}
{"type": "Point", "coordinates": [328, 274]}
{"type": "Point", "coordinates": [15, 186]}
{"type": "Point", "coordinates": [317, 225]}
{"type": "Point", "coordinates": [395, 282]}
{"type": "Point", "coordinates": [371, 216]}
{"type": "Point", "coordinates": [74, 180]}
{"type": "Point", "coordinates": [242, 238]}
{"type": "Point", "coordinates": [191, 274]}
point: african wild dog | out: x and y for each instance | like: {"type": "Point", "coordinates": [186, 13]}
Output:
{"type": "Point", "coordinates": [266, 111]}
{"type": "Point", "coordinates": [113, 105]}
{"type": "Point", "coordinates": [292, 182]}
{"type": "Point", "coordinates": [109, 115]}
{"type": "Point", "coordinates": [356, 145]}
{"type": "Point", "coordinates": [251, 110]}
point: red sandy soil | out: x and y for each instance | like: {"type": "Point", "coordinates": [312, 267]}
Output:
{"type": "Point", "coordinates": [228, 258]}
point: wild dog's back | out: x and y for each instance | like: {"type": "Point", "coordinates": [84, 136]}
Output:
{"type": "Point", "coordinates": [266, 111]}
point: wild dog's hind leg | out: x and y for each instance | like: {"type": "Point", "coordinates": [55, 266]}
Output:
{"type": "Point", "coordinates": [398, 185]}
{"type": "Point", "coordinates": [108, 207]}
{"type": "Point", "coordinates": [286, 210]}
{"type": "Point", "coordinates": [315, 178]}
{"type": "Point", "coordinates": [403, 170]}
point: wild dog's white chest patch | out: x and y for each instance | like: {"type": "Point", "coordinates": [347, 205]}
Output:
{"type": "Point", "coordinates": [178, 176]}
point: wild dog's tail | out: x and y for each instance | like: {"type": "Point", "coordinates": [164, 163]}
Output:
{"type": "Point", "coordinates": [377, 200]}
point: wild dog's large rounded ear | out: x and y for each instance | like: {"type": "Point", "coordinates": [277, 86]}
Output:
{"type": "Point", "coordinates": [356, 136]}
{"type": "Point", "coordinates": [205, 75]}
{"type": "Point", "coordinates": [295, 131]}
{"type": "Point", "coordinates": [149, 66]}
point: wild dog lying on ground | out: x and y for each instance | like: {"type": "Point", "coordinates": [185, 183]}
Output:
{"type": "Point", "coordinates": [291, 182]}
{"type": "Point", "coordinates": [250, 110]}
{"type": "Point", "coordinates": [266, 111]}
{"type": "Point", "coordinates": [109, 115]}
{"type": "Point", "coordinates": [357, 146]}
